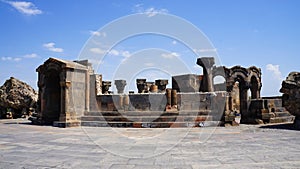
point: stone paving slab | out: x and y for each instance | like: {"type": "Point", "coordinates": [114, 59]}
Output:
{"type": "Point", "coordinates": [247, 146]}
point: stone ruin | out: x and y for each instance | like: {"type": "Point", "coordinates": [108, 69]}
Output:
{"type": "Point", "coordinates": [71, 94]}
{"type": "Point", "coordinates": [17, 99]}
{"type": "Point", "coordinates": [291, 96]}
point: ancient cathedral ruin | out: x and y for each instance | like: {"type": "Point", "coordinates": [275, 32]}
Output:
{"type": "Point", "coordinates": [71, 94]}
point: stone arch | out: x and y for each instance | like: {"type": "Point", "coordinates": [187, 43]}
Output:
{"type": "Point", "coordinates": [219, 83]}
{"type": "Point", "coordinates": [219, 76]}
{"type": "Point", "coordinates": [240, 75]}
{"type": "Point", "coordinates": [255, 82]}
{"type": "Point", "coordinates": [238, 71]}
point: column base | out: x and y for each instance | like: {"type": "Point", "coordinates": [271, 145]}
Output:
{"type": "Point", "coordinates": [66, 124]}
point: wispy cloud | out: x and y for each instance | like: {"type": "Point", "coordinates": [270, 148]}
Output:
{"type": "Point", "coordinates": [17, 59]}
{"type": "Point", "coordinates": [126, 54]}
{"type": "Point", "coordinates": [274, 69]}
{"type": "Point", "coordinates": [97, 51]}
{"type": "Point", "coordinates": [96, 33]}
{"type": "Point", "coordinates": [170, 55]}
{"type": "Point", "coordinates": [150, 12]}
{"type": "Point", "coordinates": [51, 47]}
{"type": "Point", "coordinates": [27, 8]}
{"type": "Point", "coordinates": [204, 50]}
{"type": "Point", "coordinates": [32, 55]}
{"type": "Point", "coordinates": [6, 58]}
{"type": "Point", "coordinates": [113, 52]}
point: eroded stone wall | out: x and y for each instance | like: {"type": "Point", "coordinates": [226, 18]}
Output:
{"type": "Point", "coordinates": [291, 95]}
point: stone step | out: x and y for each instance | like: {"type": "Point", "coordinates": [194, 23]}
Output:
{"type": "Point", "coordinates": [150, 124]}
{"type": "Point", "coordinates": [282, 119]}
{"type": "Point", "coordinates": [147, 118]}
{"type": "Point", "coordinates": [149, 113]}
{"type": "Point", "coordinates": [282, 114]}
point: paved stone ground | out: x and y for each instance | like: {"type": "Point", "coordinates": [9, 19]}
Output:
{"type": "Point", "coordinates": [247, 146]}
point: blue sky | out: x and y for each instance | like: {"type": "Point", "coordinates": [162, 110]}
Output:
{"type": "Point", "coordinates": [263, 33]}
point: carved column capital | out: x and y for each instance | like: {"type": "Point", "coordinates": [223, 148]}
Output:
{"type": "Point", "coordinates": [206, 62]}
{"type": "Point", "coordinates": [66, 84]}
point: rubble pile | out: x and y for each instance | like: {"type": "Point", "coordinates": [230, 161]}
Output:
{"type": "Point", "coordinates": [16, 98]}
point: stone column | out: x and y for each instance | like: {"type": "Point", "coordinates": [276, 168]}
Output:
{"type": "Point", "coordinates": [161, 84]}
{"type": "Point", "coordinates": [140, 84]}
{"type": "Point", "coordinates": [87, 91]}
{"type": "Point", "coordinates": [174, 98]}
{"type": "Point", "coordinates": [169, 96]}
{"type": "Point", "coordinates": [228, 108]}
{"type": "Point", "coordinates": [207, 64]}
{"type": "Point", "coordinates": [41, 100]}
{"type": "Point", "coordinates": [259, 89]}
{"type": "Point", "coordinates": [120, 85]}
{"type": "Point", "coordinates": [244, 100]}
{"type": "Point", "coordinates": [98, 84]}
{"type": "Point", "coordinates": [65, 102]}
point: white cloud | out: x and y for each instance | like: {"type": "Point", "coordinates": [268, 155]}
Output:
{"type": "Point", "coordinates": [170, 55]}
{"type": "Point", "coordinates": [274, 69]}
{"type": "Point", "coordinates": [6, 58]}
{"type": "Point", "coordinates": [150, 12]}
{"type": "Point", "coordinates": [114, 52]}
{"type": "Point", "coordinates": [51, 47]}
{"type": "Point", "coordinates": [138, 5]}
{"type": "Point", "coordinates": [27, 8]}
{"type": "Point", "coordinates": [126, 54]}
{"type": "Point", "coordinates": [174, 42]}
{"type": "Point", "coordinates": [204, 50]}
{"type": "Point", "coordinates": [17, 59]}
{"type": "Point", "coordinates": [97, 51]}
{"type": "Point", "coordinates": [96, 33]}
{"type": "Point", "coordinates": [33, 55]}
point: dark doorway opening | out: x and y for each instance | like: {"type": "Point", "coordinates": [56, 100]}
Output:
{"type": "Point", "coordinates": [52, 97]}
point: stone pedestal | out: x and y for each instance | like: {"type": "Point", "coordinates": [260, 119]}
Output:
{"type": "Point", "coordinates": [148, 86]}
{"type": "Point", "coordinates": [153, 89]}
{"type": "Point", "coordinates": [161, 84]}
{"type": "Point", "coordinates": [207, 64]}
{"type": "Point", "coordinates": [105, 87]}
{"type": "Point", "coordinates": [120, 85]}
{"type": "Point", "coordinates": [141, 84]}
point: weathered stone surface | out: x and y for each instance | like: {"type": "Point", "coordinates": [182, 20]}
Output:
{"type": "Point", "coordinates": [291, 95]}
{"type": "Point", "coordinates": [17, 95]}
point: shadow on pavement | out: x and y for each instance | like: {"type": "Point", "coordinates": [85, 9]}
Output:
{"type": "Point", "coordinates": [286, 126]}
